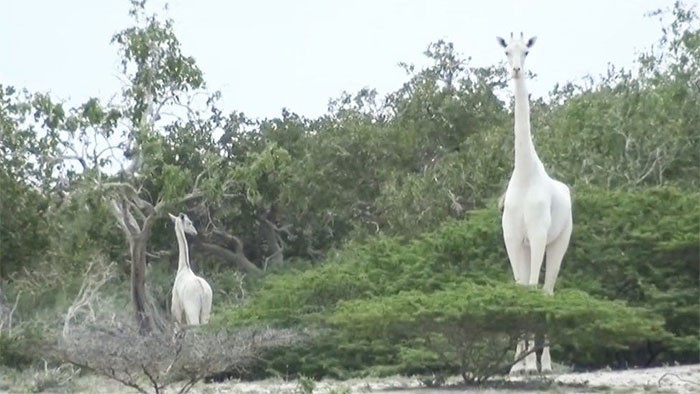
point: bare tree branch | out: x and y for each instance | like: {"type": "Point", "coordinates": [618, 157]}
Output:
{"type": "Point", "coordinates": [92, 282]}
{"type": "Point", "coordinates": [130, 222]}
{"type": "Point", "coordinates": [121, 218]}
{"type": "Point", "coordinates": [238, 259]}
{"type": "Point", "coordinates": [8, 315]}
{"type": "Point", "coordinates": [138, 212]}
{"type": "Point", "coordinates": [76, 157]}
{"type": "Point", "coordinates": [150, 377]}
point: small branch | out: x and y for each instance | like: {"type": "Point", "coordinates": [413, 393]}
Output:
{"type": "Point", "coordinates": [143, 204]}
{"type": "Point", "coordinates": [161, 205]}
{"type": "Point", "coordinates": [280, 229]}
{"type": "Point", "coordinates": [158, 255]}
{"type": "Point", "coordinates": [276, 256]}
{"type": "Point", "coordinates": [197, 179]}
{"type": "Point", "coordinates": [12, 312]}
{"type": "Point", "coordinates": [137, 210]}
{"type": "Point", "coordinates": [87, 293]}
{"type": "Point", "coordinates": [191, 197]}
{"type": "Point", "coordinates": [117, 212]}
{"type": "Point", "coordinates": [107, 149]}
{"type": "Point", "coordinates": [150, 377]}
{"type": "Point", "coordinates": [111, 374]}
{"type": "Point", "coordinates": [651, 168]}
{"type": "Point", "coordinates": [129, 220]}
{"type": "Point", "coordinates": [187, 386]}
{"type": "Point", "coordinates": [679, 378]}
{"type": "Point", "coordinates": [69, 157]}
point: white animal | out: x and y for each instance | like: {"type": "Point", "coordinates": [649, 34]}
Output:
{"type": "Point", "coordinates": [192, 294]}
{"type": "Point", "coordinates": [536, 208]}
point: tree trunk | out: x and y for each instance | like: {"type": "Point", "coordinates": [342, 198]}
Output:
{"type": "Point", "coordinates": [275, 244]}
{"type": "Point", "coordinates": [275, 252]}
{"type": "Point", "coordinates": [137, 239]}
{"type": "Point", "coordinates": [138, 286]}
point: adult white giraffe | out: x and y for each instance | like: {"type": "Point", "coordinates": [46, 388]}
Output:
{"type": "Point", "coordinates": [192, 294]}
{"type": "Point", "coordinates": [536, 208]}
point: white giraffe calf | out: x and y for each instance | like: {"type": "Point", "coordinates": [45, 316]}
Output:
{"type": "Point", "coordinates": [192, 294]}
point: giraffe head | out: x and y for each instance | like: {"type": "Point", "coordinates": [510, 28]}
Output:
{"type": "Point", "coordinates": [184, 222]}
{"type": "Point", "coordinates": [516, 51]}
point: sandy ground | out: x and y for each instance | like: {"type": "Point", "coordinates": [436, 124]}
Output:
{"type": "Point", "coordinates": [678, 379]}
{"type": "Point", "coordinates": [673, 379]}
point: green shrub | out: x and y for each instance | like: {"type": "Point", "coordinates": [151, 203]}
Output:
{"type": "Point", "coordinates": [383, 266]}
{"type": "Point", "coordinates": [640, 247]}
{"type": "Point", "coordinates": [25, 346]}
{"type": "Point", "coordinates": [11, 352]}
{"type": "Point", "coordinates": [474, 328]}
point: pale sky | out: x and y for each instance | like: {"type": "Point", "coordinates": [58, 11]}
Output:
{"type": "Point", "coordinates": [265, 55]}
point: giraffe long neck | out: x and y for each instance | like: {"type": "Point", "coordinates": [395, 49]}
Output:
{"type": "Point", "coordinates": [526, 160]}
{"type": "Point", "coordinates": [183, 260]}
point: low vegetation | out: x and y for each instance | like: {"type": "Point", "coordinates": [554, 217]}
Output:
{"type": "Point", "coordinates": [599, 316]}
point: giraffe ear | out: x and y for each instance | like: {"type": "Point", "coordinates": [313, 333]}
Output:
{"type": "Point", "coordinates": [172, 217]}
{"type": "Point", "coordinates": [531, 42]}
{"type": "Point", "coordinates": [502, 42]}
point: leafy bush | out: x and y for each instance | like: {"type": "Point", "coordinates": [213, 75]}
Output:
{"type": "Point", "coordinates": [384, 266]}
{"type": "Point", "coordinates": [637, 246]}
{"type": "Point", "coordinates": [24, 346]}
{"type": "Point", "coordinates": [11, 351]}
{"type": "Point", "coordinates": [642, 247]}
{"type": "Point", "coordinates": [474, 328]}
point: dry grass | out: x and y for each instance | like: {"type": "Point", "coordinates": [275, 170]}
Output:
{"type": "Point", "coordinates": [676, 379]}
{"type": "Point", "coordinates": [173, 358]}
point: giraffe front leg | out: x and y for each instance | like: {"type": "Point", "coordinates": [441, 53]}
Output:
{"type": "Point", "coordinates": [176, 308]}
